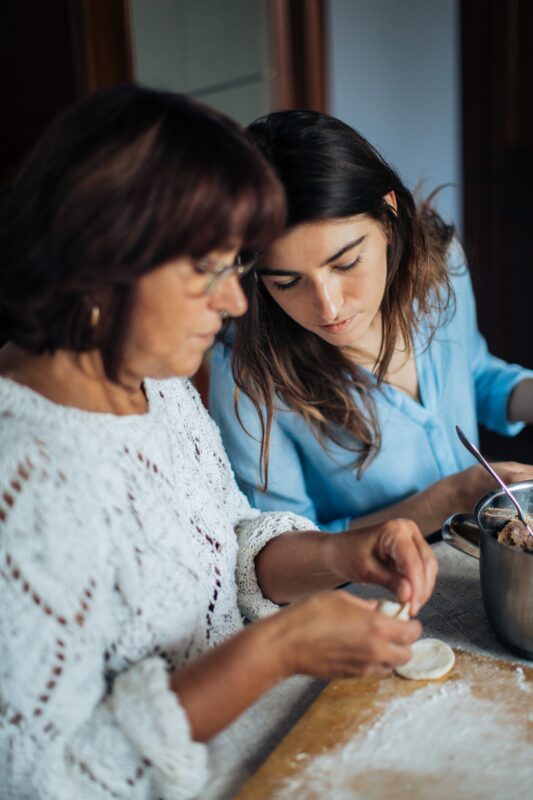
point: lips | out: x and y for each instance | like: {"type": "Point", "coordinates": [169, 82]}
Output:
{"type": "Point", "coordinates": [338, 327]}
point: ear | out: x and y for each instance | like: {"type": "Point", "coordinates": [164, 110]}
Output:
{"type": "Point", "coordinates": [390, 199]}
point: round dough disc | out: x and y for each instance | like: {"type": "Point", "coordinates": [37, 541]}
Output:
{"type": "Point", "coordinates": [431, 659]}
{"type": "Point", "coordinates": [392, 609]}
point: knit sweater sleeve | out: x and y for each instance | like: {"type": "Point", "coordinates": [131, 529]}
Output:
{"type": "Point", "coordinates": [67, 729]}
{"type": "Point", "coordinates": [254, 530]}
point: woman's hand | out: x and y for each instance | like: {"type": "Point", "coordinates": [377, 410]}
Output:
{"type": "Point", "coordinates": [330, 635]}
{"type": "Point", "coordinates": [335, 634]}
{"type": "Point", "coordinates": [473, 483]}
{"type": "Point", "coordinates": [393, 554]}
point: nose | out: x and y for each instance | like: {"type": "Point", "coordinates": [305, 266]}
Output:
{"type": "Point", "coordinates": [228, 296]}
{"type": "Point", "coordinates": [328, 298]}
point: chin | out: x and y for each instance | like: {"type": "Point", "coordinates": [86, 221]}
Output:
{"type": "Point", "coordinates": [191, 369]}
{"type": "Point", "coordinates": [180, 369]}
{"type": "Point", "coordinates": [346, 340]}
{"type": "Point", "coordinates": [187, 371]}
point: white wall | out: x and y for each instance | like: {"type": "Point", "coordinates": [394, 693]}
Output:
{"type": "Point", "coordinates": [219, 51]}
{"type": "Point", "coordinates": [394, 75]}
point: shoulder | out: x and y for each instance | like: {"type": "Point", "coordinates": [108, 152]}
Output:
{"type": "Point", "coordinates": [52, 526]}
{"type": "Point", "coordinates": [459, 273]}
{"type": "Point", "coordinates": [175, 397]}
{"type": "Point", "coordinates": [52, 489]}
{"type": "Point", "coordinates": [221, 362]}
{"type": "Point", "coordinates": [456, 257]}
{"type": "Point", "coordinates": [182, 407]}
{"type": "Point", "coordinates": [221, 384]}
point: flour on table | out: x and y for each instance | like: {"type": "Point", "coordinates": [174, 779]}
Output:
{"type": "Point", "coordinates": [441, 741]}
{"type": "Point", "coordinates": [521, 681]}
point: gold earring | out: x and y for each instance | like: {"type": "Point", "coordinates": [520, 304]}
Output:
{"type": "Point", "coordinates": [95, 316]}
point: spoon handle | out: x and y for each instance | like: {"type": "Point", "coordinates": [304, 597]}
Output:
{"type": "Point", "coordinates": [475, 452]}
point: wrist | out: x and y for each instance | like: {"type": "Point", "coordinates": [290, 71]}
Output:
{"type": "Point", "coordinates": [335, 557]}
{"type": "Point", "coordinates": [468, 488]}
{"type": "Point", "coordinates": [347, 554]}
{"type": "Point", "coordinates": [276, 638]}
{"type": "Point", "coordinates": [444, 498]}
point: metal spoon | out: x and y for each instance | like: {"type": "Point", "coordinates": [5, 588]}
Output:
{"type": "Point", "coordinates": [475, 452]}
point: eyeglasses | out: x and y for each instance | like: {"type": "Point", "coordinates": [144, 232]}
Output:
{"type": "Point", "coordinates": [215, 273]}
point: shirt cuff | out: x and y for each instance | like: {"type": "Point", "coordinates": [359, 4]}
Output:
{"type": "Point", "coordinates": [253, 535]}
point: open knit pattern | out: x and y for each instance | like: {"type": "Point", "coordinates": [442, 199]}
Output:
{"type": "Point", "coordinates": [126, 550]}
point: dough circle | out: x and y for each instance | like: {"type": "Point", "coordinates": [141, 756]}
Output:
{"type": "Point", "coordinates": [431, 659]}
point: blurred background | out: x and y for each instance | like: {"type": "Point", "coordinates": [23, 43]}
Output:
{"type": "Point", "coordinates": [443, 88]}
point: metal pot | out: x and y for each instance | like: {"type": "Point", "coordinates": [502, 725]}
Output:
{"type": "Point", "coordinates": [506, 573]}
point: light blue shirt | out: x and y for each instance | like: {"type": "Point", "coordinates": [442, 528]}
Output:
{"type": "Point", "coordinates": [460, 383]}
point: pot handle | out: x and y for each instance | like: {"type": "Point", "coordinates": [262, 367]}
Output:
{"type": "Point", "coordinates": [462, 532]}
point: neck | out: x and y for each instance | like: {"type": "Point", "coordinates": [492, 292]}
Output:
{"type": "Point", "coordinates": [73, 379]}
{"type": "Point", "coordinates": [365, 350]}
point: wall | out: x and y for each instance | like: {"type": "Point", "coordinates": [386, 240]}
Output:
{"type": "Point", "coordinates": [219, 51]}
{"type": "Point", "coordinates": [394, 75]}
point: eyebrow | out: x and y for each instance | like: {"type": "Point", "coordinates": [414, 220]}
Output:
{"type": "Point", "coordinates": [334, 257]}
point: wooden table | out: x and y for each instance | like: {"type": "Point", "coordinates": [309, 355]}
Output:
{"type": "Point", "coordinates": [350, 706]}
{"type": "Point", "coordinates": [455, 614]}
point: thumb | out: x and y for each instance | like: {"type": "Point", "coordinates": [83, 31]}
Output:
{"type": "Point", "coordinates": [391, 580]}
{"type": "Point", "coordinates": [371, 605]}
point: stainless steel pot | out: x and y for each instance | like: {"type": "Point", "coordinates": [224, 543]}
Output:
{"type": "Point", "coordinates": [506, 573]}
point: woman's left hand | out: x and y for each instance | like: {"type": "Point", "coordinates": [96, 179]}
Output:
{"type": "Point", "coordinates": [393, 554]}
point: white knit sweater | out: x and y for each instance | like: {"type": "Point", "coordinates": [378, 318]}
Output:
{"type": "Point", "coordinates": [126, 550]}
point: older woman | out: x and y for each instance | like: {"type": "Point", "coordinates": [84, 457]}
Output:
{"type": "Point", "coordinates": [128, 556]}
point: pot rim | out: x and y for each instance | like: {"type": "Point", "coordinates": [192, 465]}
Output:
{"type": "Point", "coordinates": [485, 501]}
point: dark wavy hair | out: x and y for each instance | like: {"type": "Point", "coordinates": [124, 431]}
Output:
{"type": "Point", "coordinates": [123, 182]}
{"type": "Point", "coordinates": [329, 171]}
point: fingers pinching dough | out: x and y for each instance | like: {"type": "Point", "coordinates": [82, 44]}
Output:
{"type": "Point", "coordinates": [392, 609]}
{"type": "Point", "coordinates": [431, 659]}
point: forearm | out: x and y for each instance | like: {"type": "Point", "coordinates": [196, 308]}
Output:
{"type": "Point", "coordinates": [217, 687]}
{"type": "Point", "coordinates": [520, 408]}
{"type": "Point", "coordinates": [428, 508]}
{"type": "Point", "coordinates": [297, 564]}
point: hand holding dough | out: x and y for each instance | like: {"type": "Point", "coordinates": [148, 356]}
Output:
{"type": "Point", "coordinates": [392, 609]}
{"type": "Point", "coordinates": [431, 659]}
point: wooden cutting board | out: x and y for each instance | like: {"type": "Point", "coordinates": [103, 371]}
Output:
{"type": "Point", "coordinates": [347, 707]}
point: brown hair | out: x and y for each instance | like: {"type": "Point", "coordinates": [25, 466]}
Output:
{"type": "Point", "coordinates": [123, 182]}
{"type": "Point", "coordinates": [329, 171]}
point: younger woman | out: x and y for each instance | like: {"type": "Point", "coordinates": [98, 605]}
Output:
{"type": "Point", "coordinates": [360, 351]}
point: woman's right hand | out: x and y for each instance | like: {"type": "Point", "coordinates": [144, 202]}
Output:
{"type": "Point", "coordinates": [335, 634]}
{"type": "Point", "coordinates": [475, 482]}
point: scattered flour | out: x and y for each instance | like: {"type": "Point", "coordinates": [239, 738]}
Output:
{"type": "Point", "coordinates": [521, 681]}
{"type": "Point", "coordinates": [438, 742]}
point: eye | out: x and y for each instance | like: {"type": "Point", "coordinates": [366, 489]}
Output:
{"type": "Point", "coordinates": [283, 286]}
{"type": "Point", "coordinates": [348, 267]}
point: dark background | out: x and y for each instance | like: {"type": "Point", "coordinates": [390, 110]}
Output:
{"type": "Point", "coordinates": [58, 51]}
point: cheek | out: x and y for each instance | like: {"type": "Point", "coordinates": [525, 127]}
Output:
{"type": "Point", "coordinates": [294, 307]}
{"type": "Point", "coordinates": [368, 288]}
{"type": "Point", "coordinates": [160, 327]}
